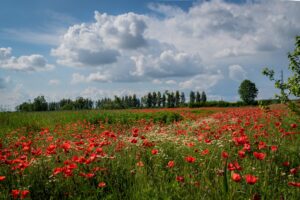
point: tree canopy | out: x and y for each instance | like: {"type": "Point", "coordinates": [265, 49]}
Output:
{"type": "Point", "coordinates": [248, 91]}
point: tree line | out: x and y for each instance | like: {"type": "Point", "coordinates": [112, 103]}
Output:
{"type": "Point", "coordinates": [167, 99]}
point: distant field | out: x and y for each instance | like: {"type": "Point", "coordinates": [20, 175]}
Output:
{"type": "Point", "coordinates": [37, 120]}
{"type": "Point", "coordinates": [205, 153]}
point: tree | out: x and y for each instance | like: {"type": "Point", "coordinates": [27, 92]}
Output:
{"type": "Point", "coordinates": [192, 97]}
{"type": "Point", "coordinates": [159, 101]}
{"type": "Point", "coordinates": [182, 98]}
{"type": "Point", "coordinates": [292, 85]}
{"type": "Point", "coordinates": [163, 100]}
{"type": "Point", "coordinates": [198, 97]}
{"type": "Point", "coordinates": [248, 91]}
{"type": "Point", "coordinates": [40, 104]}
{"type": "Point", "coordinates": [177, 98]}
{"type": "Point", "coordinates": [203, 97]}
{"type": "Point", "coordinates": [149, 100]}
{"type": "Point", "coordinates": [154, 99]}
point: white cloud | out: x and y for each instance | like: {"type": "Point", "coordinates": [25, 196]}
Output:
{"type": "Point", "coordinates": [54, 82]}
{"type": "Point", "coordinates": [218, 29]}
{"type": "Point", "coordinates": [34, 62]}
{"type": "Point", "coordinates": [77, 78]}
{"type": "Point", "coordinates": [202, 81]}
{"type": "Point", "coordinates": [181, 45]}
{"type": "Point", "coordinates": [171, 82]}
{"type": "Point", "coordinates": [237, 72]}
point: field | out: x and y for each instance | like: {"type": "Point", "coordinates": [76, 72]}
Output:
{"type": "Point", "coordinates": [207, 153]}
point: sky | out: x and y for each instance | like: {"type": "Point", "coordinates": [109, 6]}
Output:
{"type": "Point", "coordinates": [96, 49]}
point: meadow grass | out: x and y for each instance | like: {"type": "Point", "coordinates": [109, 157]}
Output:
{"type": "Point", "coordinates": [193, 158]}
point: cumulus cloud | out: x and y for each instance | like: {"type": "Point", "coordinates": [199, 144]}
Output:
{"type": "Point", "coordinates": [34, 62]}
{"type": "Point", "coordinates": [99, 43]}
{"type": "Point", "coordinates": [202, 81]}
{"type": "Point", "coordinates": [167, 64]}
{"type": "Point", "coordinates": [218, 29]}
{"type": "Point", "coordinates": [237, 72]}
{"type": "Point", "coordinates": [180, 45]}
{"type": "Point", "coordinates": [54, 82]}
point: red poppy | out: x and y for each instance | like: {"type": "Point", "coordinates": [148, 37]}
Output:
{"type": "Point", "coordinates": [236, 177]}
{"type": "Point", "coordinates": [293, 125]}
{"type": "Point", "coordinates": [140, 164]}
{"type": "Point", "coordinates": [15, 193]}
{"type": "Point", "coordinates": [259, 156]}
{"type": "Point", "coordinates": [247, 147]}
{"type": "Point", "coordinates": [205, 152]}
{"type": "Point", "coordinates": [101, 184]}
{"type": "Point", "coordinates": [171, 164]}
{"type": "Point", "coordinates": [295, 184]}
{"type": "Point", "coordinates": [250, 179]}
{"type": "Point", "coordinates": [293, 171]}
{"type": "Point", "coordinates": [180, 179]}
{"type": "Point", "coordinates": [190, 159]}
{"type": "Point", "coordinates": [24, 194]}
{"type": "Point", "coordinates": [2, 178]}
{"type": "Point", "coordinates": [274, 148]}
{"type": "Point", "coordinates": [225, 154]}
{"type": "Point", "coordinates": [133, 141]}
{"type": "Point", "coordinates": [242, 154]}
{"type": "Point", "coordinates": [154, 151]}
{"type": "Point", "coordinates": [261, 145]}
{"type": "Point", "coordinates": [286, 163]}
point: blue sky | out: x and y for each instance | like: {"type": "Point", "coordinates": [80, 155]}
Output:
{"type": "Point", "coordinates": [103, 48]}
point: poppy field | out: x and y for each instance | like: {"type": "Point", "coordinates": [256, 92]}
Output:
{"type": "Point", "coordinates": [207, 153]}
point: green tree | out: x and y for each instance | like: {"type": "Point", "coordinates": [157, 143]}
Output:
{"type": "Point", "coordinates": [292, 85]}
{"type": "Point", "coordinates": [159, 100]}
{"type": "Point", "coordinates": [182, 99]}
{"type": "Point", "coordinates": [203, 97]}
{"type": "Point", "coordinates": [177, 98]}
{"type": "Point", "coordinates": [198, 97]}
{"type": "Point", "coordinates": [192, 97]}
{"type": "Point", "coordinates": [149, 100]}
{"type": "Point", "coordinates": [40, 104]}
{"type": "Point", "coordinates": [163, 100]}
{"type": "Point", "coordinates": [248, 91]}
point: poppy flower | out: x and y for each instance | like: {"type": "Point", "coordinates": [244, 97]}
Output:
{"type": "Point", "coordinates": [293, 171]}
{"type": "Point", "coordinates": [224, 154]}
{"type": "Point", "coordinates": [140, 164]}
{"type": "Point", "coordinates": [261, 145]}
{"type": "Point", "coordinates": [274, 148]}
{"type": "Point", "coordinates": [247, 147]}
{"type": "Point", "coordinates": [15, 193]}
{"type": "Point", "coordinates": [295, 184]}
{"type": "Point", "coordinates": [171, 164]}
{"type": "Point", "coordinates": [236, 177]}
{"type": "Point", "coordinates": [190, 159]}
{"type": "Point", "coordinates": [180, 179]}
{"type": "Point", "coordinates": [293, 125]}
{"type": "Point", "coordinates": [205, 152]}
{"type": "Point", "coordinates": [259, 156]}
{"type": "Point", "coordinates": [242, 154]}
{"type": "Point", "coordinates": [154, 151]}
{"type": "Point", "coordinates": [101, 184]}
{"type": "Point", "coordinates": [133, 141]}
{"type": "Point", "coordinates": [2, 178]}
{"type": "Point", "coordinates": [24, 194]}
{"type": "Point", "coordinates": [286, 163]}
{"type": "Point", "coordinates": [250, 179]}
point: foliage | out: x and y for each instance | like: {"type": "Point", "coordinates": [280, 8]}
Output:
{"type": "Point", "coordinates": [292, 85]}
{"type": "Point", "coordinates": [248, 91]}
